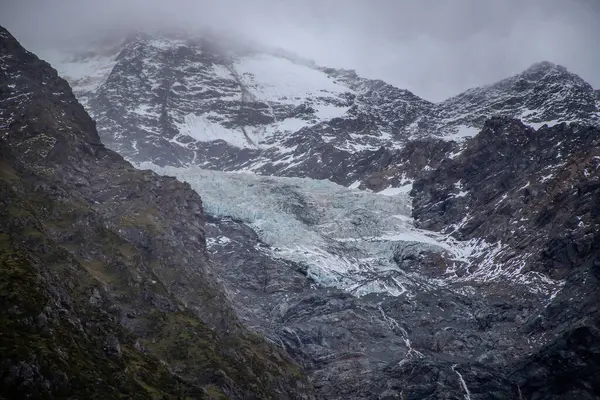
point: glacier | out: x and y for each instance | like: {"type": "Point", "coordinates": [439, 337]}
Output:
{"type": "Point", "coordinates": [344, 238]}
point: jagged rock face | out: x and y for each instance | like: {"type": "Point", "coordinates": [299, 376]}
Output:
{"type": "Point", "coordinates": [106, 287]}
{"type": "Point", "coordinates": [535, 192]}
{"type": "Point", "coordinates": [399, 168]}
{"type": "Point", "coordinates": [178, 101]}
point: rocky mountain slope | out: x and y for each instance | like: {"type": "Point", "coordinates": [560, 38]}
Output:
{"type": "Point", "coordinates": [536, 194]}
{"type": "Point", "coordinates": [490, 293]}
{"type": "Point", "coordinates": [107, 291]}
{"type": "Point", "coordinates": [524, 188]}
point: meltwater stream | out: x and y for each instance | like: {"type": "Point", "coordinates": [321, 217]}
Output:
{"type": "Point", "coordinates": [345, 238]}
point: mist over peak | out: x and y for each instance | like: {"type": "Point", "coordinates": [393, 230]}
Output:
{"type": "Point", "coordinates": [433, 48]}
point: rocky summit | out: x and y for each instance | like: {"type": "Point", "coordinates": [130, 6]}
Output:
{"type": "Point", "coordinates": [259, 226]}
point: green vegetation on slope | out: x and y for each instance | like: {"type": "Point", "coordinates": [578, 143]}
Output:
{"type": "Point", "coordinates": [62, 305]}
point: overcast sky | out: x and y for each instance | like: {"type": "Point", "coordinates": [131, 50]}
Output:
{"type": "Point", "coordinates": [435, 48]}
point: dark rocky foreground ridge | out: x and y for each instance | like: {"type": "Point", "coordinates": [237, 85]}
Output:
{"type": "Point", "coordinates": [108, 289]}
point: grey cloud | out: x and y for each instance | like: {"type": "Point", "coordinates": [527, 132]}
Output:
{"type": "Point", "coordinates": [436, 48]}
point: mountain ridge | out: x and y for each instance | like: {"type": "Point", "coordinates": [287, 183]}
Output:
{"type": "Point", "coordinates": [250, 109]}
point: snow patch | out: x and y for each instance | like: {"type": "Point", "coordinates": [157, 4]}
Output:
{"type": "Point", "coordinates": [461, 133]}
{"type": "Point", "coordinates": [538, 125]}
{"type": "Point", "coordinates": [203, 129]}
{"type": "Point", "coordinates": [391, 191]}
{"type": "Point", "coordinates": [278, 79]}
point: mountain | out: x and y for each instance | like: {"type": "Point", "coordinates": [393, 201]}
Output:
{"type": "Point", "coordinates": [390, 248]}
{"type": "Point", "coordinates": [106, 287]}
{"type": "Point", "coordinates": [226, 105]}
{"type": "Point", "coordinates": [544, 93]}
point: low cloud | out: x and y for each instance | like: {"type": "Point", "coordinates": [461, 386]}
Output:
{"type": "Point", "coordinates": [435, 48]}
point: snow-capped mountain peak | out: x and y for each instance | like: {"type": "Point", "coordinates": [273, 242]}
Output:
{"type": "Point", "coordinates": [545, 93]}
{"type": "Point", "coordinates": [213, 102]}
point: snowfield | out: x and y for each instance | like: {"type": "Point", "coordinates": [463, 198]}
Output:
{"type": "Point", "coordinates": [276, 79]}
